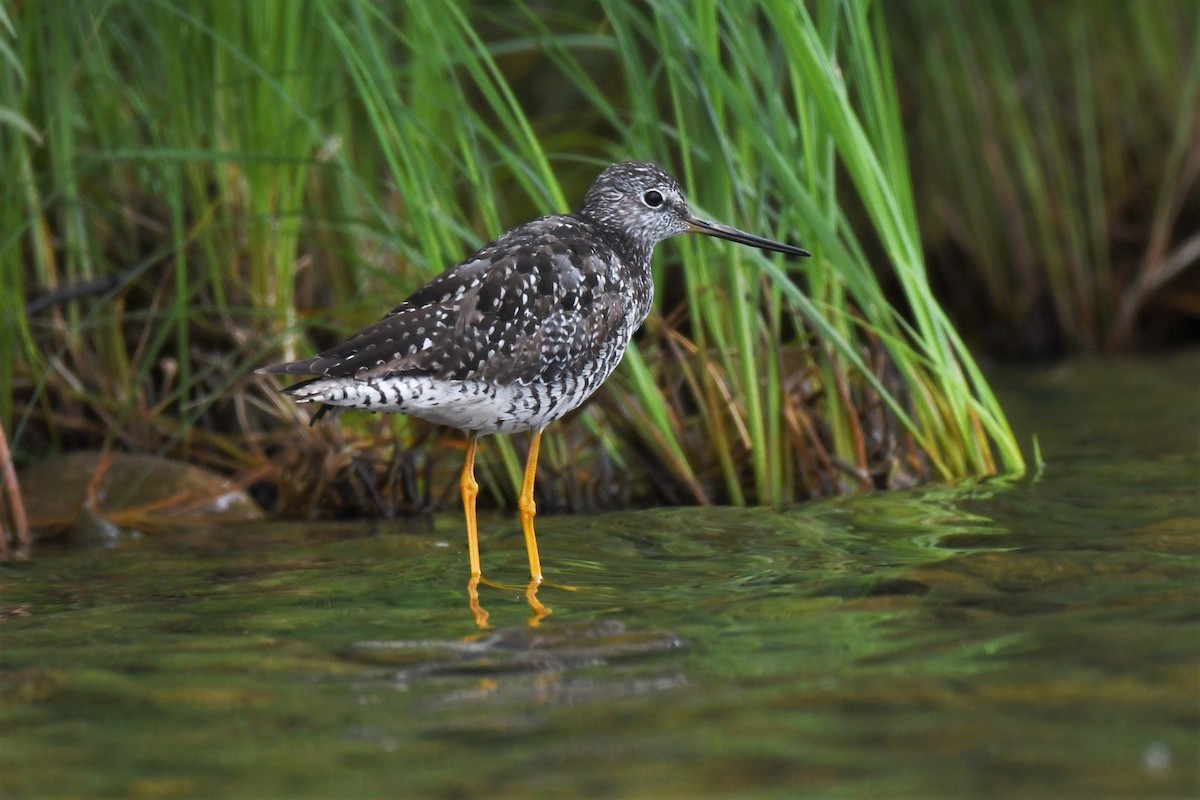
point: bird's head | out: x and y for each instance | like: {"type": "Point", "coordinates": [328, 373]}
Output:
{"type": "Point", "coordinates": [640, 201]}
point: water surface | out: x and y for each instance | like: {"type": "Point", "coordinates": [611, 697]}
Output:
{"type": "Point", "coordinates": [1014, 638]}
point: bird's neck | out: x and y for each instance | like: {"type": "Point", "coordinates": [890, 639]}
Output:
{"type": "Point", "coordinates": [631, 250]}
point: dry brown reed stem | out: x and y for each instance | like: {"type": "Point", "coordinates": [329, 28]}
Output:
{"type": "Point", "coordinates": [15, 505]}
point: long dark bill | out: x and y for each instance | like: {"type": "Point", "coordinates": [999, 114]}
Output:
{"type": "Point", "coordinates": [697, 225]}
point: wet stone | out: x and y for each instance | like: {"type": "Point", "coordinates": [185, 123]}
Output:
{"type": "Point", "coordinates": [92, 497]}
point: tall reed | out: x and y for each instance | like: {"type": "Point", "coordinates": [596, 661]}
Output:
{"type": "Point", "coordinates": [1059, 145]}
{"type": "Point", "coordinates": [217, 184]}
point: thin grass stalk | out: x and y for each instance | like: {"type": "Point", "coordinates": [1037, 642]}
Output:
{"type": "Point", "coordinates": [828, 90]}
{"type": "Point", "coordinates": [724, 301]}
{"type": "Point", "coordinates": [1180, 174]}
{"type": "Point", "coordinates": [687, 147]}
{"type": "Point", "coordinates": [19, 215]}
{"type": "Point", "coordinates": [1048, 194]}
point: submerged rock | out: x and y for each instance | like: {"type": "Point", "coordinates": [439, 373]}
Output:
{"type": "Point", "coordinates": [98, 497]}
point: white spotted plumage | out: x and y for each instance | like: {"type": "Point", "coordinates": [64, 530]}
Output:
{"type": "Point", "coordinates": [524, 330]}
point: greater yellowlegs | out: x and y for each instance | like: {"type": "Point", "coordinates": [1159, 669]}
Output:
{"type": "Point", "coordinates": [521, 332]}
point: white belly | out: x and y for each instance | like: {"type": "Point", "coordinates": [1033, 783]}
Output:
{"type": "Point", "coordinates": [471, 405]}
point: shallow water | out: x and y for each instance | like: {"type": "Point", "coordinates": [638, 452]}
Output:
{"type": "Point", "coordinates": [1028, 638]}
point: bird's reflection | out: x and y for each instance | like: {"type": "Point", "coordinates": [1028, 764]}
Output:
{"type": "Point", "coordinates": [540, 611]}
{"type": "Point", "coordinates": [477, 611]}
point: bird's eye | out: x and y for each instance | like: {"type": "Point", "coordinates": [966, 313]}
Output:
{"type": "Point", "coordinates": [653, 198]}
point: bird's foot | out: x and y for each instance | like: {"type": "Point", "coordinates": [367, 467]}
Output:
{"type": "Point", "coordinates": [477, 611]}
{"type": "Point", "coordinates": [564, 587]}
{"type": "Point", "coordinates": [508, 587]}
{"type": "Point", "coordinates": [540, 612]}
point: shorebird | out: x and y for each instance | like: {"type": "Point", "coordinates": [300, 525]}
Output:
{"type": "Point", "coordinates": [521, 332]}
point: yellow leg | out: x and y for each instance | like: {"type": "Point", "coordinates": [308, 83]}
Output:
{"type": "Point", "coordinates": [528, 509]}
{"type": "Point", "coordinates": [477, 611]}
{"type": "Point", "coordinates": [470, 491]}
{"type": "Point", "coordinates": [540, 612]}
